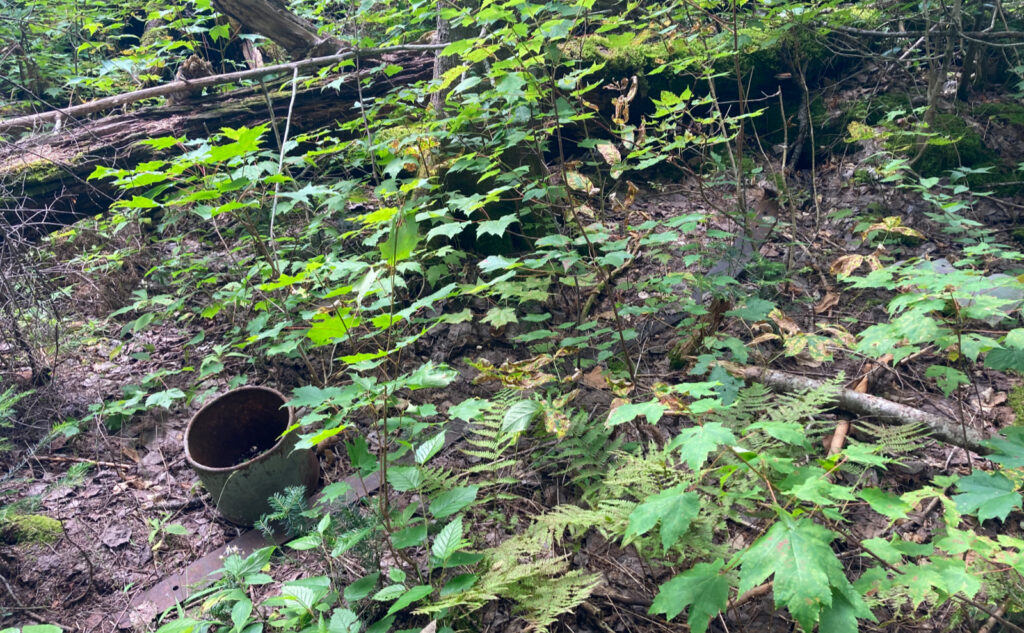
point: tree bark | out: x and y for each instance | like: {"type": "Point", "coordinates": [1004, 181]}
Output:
{"type": "Point", "coordinates": [868, 405]}
{"type": "Point", "coordinates": [272, 19]}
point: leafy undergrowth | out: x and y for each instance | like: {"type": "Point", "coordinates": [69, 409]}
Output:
{"type": "Point", "coordinates": [571, 291]}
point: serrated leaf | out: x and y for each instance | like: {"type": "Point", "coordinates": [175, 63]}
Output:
{"type": "Point", "coordinates": [518, 417]}
{"type": "Point", "coordinates": [428, 449]}
{"type": "Point", "coordinates": [703, 588]}
{"type": "Point", "coordinates": [753, 309]}
{"type": "Point", "coordinates": [405, 478]}
{"type": "Point", "coordinates": [331, 328]}
{"type": "Point", "coordinates": [458, 584]}
{"type": "Point", "coordinates": [315, 397]}
{"type": "Point", "coordinates": [840, 616]}
{"type": "Point", "coordinates": [164, 398]}
{"type": "Point", "coordinates": [447, 540]}
{"type": "Point", "coordinates": [1007, 451]}
{"type": "Point", "coordinates": [389, 593]}
{"type": "Point", "coordinates": [499, 316]}
{"type": "Point", "coordinates": [697, 442]}
{"type": "Point", "coordinates": [343, 621]}
{"type": "Point", "coordinates": [674, 508]}
{"type": "Point", "coordinates": [412, 595]}
{"type": "Point", "coordinates": [820, 491]}
{"type": "Point", "coordinates": [798, 554]}
{"type": "Point", "coordinates": [409, 537]}
{"type": "Point", "coordinates": [495, 227]}
{"type": "Point", "coordinates": [988, 495]}
{"type": "Point", "coordinates": [449, 230]}
{"type": "Point", "coordinates": [625, 412]}
{"type": "Point", "coordinates": [449, 502]}
{"type": "Point", "coordinates": [469, 409]}
{"type": "Point", "coordinates": [886, 504]}
{"type": "Point", "coordinates": [307, 542]}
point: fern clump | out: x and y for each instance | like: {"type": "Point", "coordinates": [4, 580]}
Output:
{"type": "Point", "coordinates": [585, 454]}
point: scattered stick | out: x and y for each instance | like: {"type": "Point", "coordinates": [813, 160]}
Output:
{"type": "Point", "coordinates": [27, 610]}
{"type": "Point", "coordinates": [942, 428]}
{"type": "Point", "coordinates": [994, 619]}
{"type": "Point", "coordinates": [839, 437]}
{"type": "Point", "coordinates": [749, 595]}
{"type": "Point", "coordinates": [80, 460]}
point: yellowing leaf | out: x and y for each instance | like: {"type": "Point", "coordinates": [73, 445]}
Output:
{"type": "Point", "coordinates": [845, 265]}
{"type": "Point", "coordinates": [610, 153]}
{"type": "Point", "coordinates": [830, 299]}
{"type": "Point", "coordinates": [786, 325]}
{"type": "Point", "coordinates": [579, 182]}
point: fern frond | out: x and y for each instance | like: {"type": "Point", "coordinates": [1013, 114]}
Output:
{"type": "Point", "coordinates": [896, 440]}
{"type": "Point", "coordinates": [488, 446]}
{"type": "Point", "coordinates": [585, 454]}
{"type": "Point", "coordinates": [528, 573]}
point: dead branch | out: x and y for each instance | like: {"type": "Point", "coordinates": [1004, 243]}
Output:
{"type": "Point", "coordinates": [864, 404]}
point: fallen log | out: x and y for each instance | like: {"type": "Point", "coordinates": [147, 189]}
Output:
{"type": "Point", "coordinates": [44, 178]}
{"type": "Point", "coordinates": [865, 404]}
{"type": "Point", "coordinates": [62, 115]}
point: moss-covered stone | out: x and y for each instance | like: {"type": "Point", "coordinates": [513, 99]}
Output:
{"type": "Point", "coordinates": [1016, 402]}
{"type": "Point", "coordinates": [31, 528]}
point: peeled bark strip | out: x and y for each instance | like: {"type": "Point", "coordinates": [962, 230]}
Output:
{"type": "Point", "coordinates": [867, 405]}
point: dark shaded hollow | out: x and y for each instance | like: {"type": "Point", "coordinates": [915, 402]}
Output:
{"type": "Point", "coordinates": [236, 427]}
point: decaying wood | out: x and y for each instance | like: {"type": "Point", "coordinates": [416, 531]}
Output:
{"type": "Point", "coordinates": [32, 121]}
{"type": "Point", "coordinates": [272, 19]}
{"type": "Point", "coordinates": [43, 178]}
{"type": "Point", "coordinates": [865, 404]}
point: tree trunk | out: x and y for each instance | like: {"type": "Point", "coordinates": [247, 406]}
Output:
{"type": "Point", "coordinates": [272, 19]}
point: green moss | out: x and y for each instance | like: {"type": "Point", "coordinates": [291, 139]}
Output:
{"type": "Point", "coordinates": [956, 144]}
{"type": "Point", "coordinates": [1005, 112]}
{"type": "Point", "coordinates": [31, 172]}
{"type": "Point", "coordinates": [1016, 402]}
{"type": "Point", "coordinates": [633, 57]}
{"type": "Point", "coordinates": [32, 528]}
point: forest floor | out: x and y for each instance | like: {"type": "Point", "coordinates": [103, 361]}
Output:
{"type": "Point", "coordinates": [115, 544]}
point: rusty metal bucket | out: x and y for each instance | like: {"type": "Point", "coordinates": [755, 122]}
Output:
{"type": "Point", "coordinates": [234, 445]}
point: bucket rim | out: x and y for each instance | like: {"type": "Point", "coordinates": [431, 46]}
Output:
{"type": "Point", "coordinates": [254, 460]}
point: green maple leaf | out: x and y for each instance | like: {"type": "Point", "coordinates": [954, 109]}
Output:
{"type": "Point", "coordinates": [675, 508]}
{"type": "Point", "coordinates": [702, 588]}
{"type": "Point", "coordinates": [495, 227]}
{"type": "Point", "coordinates": [989, 495]}
{"type": "Point", "coordinates": [806, 570]}
{"type": "Point", "coordinates": [886, 504]}
{"type": "Point", "coordinates": [920, 582]}
{"type": "Point", "coordinates": [498, 317]}
{"type": "Point", "coordinates": [1008, 452]}
{"type": "Point", "coordinates": [697, 442]}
